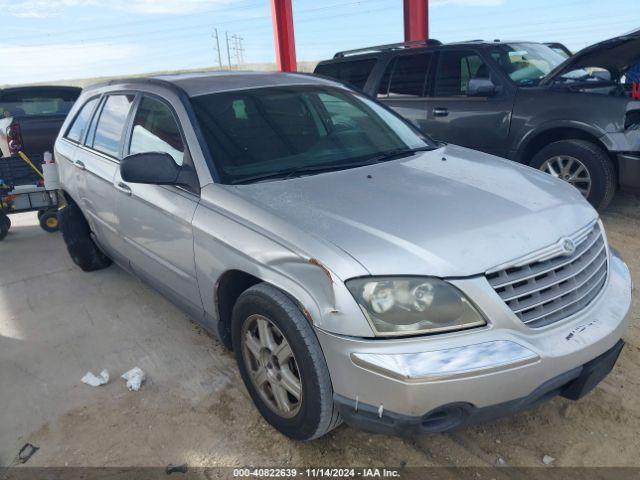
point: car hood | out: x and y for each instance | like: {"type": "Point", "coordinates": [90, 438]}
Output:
{"type": "Point", "coordinates": [447, 212]}
{"type": "Point", "coordinates": [616, 54]}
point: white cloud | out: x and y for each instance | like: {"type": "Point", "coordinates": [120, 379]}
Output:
{"type": "Point", "coordinates": [48, 8]}
{"type": "Point", "coordinates": [63, 60]}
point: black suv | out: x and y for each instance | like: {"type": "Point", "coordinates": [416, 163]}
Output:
{"type": "Point", "coordinates": [574, 118]}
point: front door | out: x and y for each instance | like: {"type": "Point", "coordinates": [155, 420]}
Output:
{"type": "Point", "coordinates": [481, 123]}
{"type": "Point", "coordinates": [155, 221]}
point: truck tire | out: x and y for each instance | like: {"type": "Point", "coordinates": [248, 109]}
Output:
{"type": "Point", "coordinates": [77, 236]}
{"type": "Point", "coordinates": [282, 364]}
{"type": "Point", "coordinates": [583, 164]}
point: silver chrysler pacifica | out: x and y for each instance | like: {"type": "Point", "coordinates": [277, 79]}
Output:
{"type": "Point", "coordinates": [359, 270]}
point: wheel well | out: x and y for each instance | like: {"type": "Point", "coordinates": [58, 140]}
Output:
{"type": "Point", "coordinates": [554, 135]}
{"type": "Point", "coordinates": [229, 287]}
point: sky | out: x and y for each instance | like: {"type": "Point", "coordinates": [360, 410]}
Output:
{"type": "Point", "coordinates": [47, 40]}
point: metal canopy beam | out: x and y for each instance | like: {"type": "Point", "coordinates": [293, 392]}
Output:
{"type": "Point", "coordinates": [282, 15]}
{"type": "Point", "coordinates": [416, 20]}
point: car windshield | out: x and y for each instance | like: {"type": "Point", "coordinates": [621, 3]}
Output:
{"type": "Point", "coordinates": [526, 63]}
{"type": "Point", "coordinates": [273, 132]}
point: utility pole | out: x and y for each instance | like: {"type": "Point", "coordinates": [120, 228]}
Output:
{"type": "Point", "coordinates": [238, 49]}
{"type": "Point", "coordinates": [226, 34]}
{"type": "Point", "coordinates": [215, 35]}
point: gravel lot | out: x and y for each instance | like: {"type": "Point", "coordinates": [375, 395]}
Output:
{"type": "Point", "coordinates": [56, 323]}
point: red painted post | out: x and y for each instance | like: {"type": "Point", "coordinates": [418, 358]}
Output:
{"type": "Point", "coordinates": [416, 20]}
{"type": "Point", "coordinates": [284, 38]}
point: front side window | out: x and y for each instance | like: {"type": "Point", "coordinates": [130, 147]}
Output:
{"type": "Point", "coordinates": [408, 78]}
{"type": "Point", "coordinates": [526, 63]}
{"type": "Point", "coordinates": [155, 130]}
{"type": "Point", "coordinates": [455, 69]}
{"type": "Point", "coordinates": [275, 131]}
{"type": "Point", "coordinates": [81, 122]}
{"type": "Point", "coordinates": [111, 124]}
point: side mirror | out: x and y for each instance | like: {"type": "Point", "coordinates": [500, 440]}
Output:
{"type": "Point", "coordinates": [155, 168]}
{"type": "Point", "coordinates": [481, 87]}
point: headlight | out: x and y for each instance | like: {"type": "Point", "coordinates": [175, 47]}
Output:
{"type": "Point", "coordinates": [412, 305]}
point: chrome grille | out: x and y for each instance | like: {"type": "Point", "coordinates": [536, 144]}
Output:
{"type": "Point", "coordinates": [545, 291]}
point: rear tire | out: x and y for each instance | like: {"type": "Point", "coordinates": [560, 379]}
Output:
{"type": "Point", "coordinates": [595, 160]}
{"type": "Point", "coordinates": [49, 221]}
{"type": "Point", "coordinates": [77, 236]}
{"type": "Point", "coordinates": [5, 225]}
{"type": "Point", "coordinates": [313, 413]}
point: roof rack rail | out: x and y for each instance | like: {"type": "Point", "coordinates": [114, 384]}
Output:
{"type": "Point", "coordinates": [391, 46]}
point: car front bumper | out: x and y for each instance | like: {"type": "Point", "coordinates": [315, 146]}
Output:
{"type": "Point", "coordinates": [440, 382]}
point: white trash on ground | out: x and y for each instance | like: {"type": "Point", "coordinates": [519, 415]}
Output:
{"type": "Point", "coordinates": [134, 378]}
{"type": "Point", "coordinates": [95, 381]}
{"type": "Point", "coordinates": [548, 459]}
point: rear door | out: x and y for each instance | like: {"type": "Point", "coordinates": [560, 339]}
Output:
{"type": "Point", "coordinates": [155, 221]}
{"type": "Point", "coordinates": [480, 123]}
{"type": "Point", "coordinates": [99, 160]}
{"type": "Point", "coordinates": [404, 85]}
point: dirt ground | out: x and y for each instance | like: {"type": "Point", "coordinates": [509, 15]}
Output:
{"type": "Point", "coordinates": [56, 323]}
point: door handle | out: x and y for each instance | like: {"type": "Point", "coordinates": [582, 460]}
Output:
{"type": "Point", "coordinates": [79, 164]}
{"type": "Point", "coordinates": [440, 112]}
{"type": "Point", "coordinates": [123, 188]}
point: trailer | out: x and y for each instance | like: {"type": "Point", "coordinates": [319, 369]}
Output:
{"type": "Point", "coordinates": [22, 189]}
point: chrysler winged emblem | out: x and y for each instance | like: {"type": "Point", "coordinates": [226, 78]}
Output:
{"type": "Point", "coordinates": [568, 247]}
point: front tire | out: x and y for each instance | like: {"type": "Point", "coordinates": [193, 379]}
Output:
{"type": "Point", "coordinates": [584, 165]}
{"type": "Point", "coordinates": [77, 236]}
{"type": "Point", "coordinates": [282, 364]}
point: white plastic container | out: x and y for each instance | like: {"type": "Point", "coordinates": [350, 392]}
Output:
{"type": "Point", "coordinates": [51, 178]}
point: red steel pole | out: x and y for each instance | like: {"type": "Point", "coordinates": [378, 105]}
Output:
{"type": "Point", "coordinates": [282, 15]}
{"type": "Point", "coordinates": [416, 20]}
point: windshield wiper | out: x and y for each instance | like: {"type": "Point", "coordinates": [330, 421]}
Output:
{"type": "Point", "coordinates": [302, 170]}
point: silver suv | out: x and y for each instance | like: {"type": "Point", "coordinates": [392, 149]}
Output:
{"type": "Point", "coordinates": [359, 270]}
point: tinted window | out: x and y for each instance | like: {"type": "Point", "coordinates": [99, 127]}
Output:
{"type": "Point", "coordinates": [111, 124]}
{"type": "Point", "coordinates": [37, 101]}
{"type": "Point", "coordinates": [275, 130]}
{"type": "Point", "coordinates": [409, 75]}
{"type": "Point", "coordinates": [455, 69]}
{"type": "Point", "coordinates": [155, 130]}
{"type": "Point", "coordinates": [354, 73]}
{"type": "Point", "coordinates": [79, 125]}
{"type": "Point", "coordinates": [383, 88]}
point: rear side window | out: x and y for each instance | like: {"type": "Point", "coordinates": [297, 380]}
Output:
{"type": "Point", "coordinates": [455, 69]}
{"type": "Point", "coordinates": [80, 124]}
{"type": "Point", "coordinates": [111, 124]}
{"type": "Point", "coordinates": [155, 130]}
{"type": "Point", "coordinates": [37, 101]}
{"type": "Point", "coordinates": [409, 75]}
{"type": "Point", "coordinates": [354, 73]}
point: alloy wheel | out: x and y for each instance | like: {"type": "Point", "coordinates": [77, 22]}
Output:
{"type": "Point", "coordinates": [272, 366]}
{"type": "Point", "coordinates": [571, 170]}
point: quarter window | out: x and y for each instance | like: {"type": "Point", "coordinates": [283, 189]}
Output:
{"type": "Point", "coordinates": [111, 124]}
{"type": "Point", "coordinates": [79, 125]}
{"type": "Point", "coordinates": [155, 130]}
{"type": "Point", "coordinates": [354, 73]}
{"type": "Point", "coordinates": [455, 69]}
{"type": "Point", "coordinates": [409, 75]}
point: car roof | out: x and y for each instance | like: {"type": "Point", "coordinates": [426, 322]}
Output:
{"type": "Point", "coordinates": [203, 83]}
